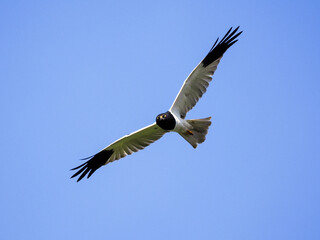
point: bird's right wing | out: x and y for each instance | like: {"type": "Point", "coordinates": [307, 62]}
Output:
{"type": "Point", "coordinates": [122, 147]}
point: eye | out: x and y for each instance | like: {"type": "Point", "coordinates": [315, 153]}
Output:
{"type": "Point", "coordinates": [158, 117]}
{"type": "Point", "coordinates": [165, 115]}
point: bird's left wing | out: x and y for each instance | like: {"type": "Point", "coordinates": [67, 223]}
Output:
{"type": "Point", "coordinates": [122, 147]}
{"type": "Point", "coordinates": [197, 82]}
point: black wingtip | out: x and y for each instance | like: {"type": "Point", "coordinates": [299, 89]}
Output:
{"type": "Point", "coordinates": [94, 162]}
{"type": "Point", "coordinates": [218, 50]}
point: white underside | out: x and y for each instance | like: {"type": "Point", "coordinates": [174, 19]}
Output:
{"type": "Point", "coordinates": [193, 131]}
{"type": "Point", "coordinates": [181, 124]}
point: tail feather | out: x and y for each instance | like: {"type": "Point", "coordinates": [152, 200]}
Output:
{"type": "Point", "coordinates": [199, 131]}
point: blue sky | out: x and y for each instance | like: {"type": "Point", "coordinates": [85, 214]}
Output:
{"type": "Point", "coordinates": [77, 75]}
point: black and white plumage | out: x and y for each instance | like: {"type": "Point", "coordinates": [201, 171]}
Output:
{"type": "Point", "coordinates": [193, 131]}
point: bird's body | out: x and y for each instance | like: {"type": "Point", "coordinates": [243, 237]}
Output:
{"type": "Point", "coordinates": [181, 124]}
{"type": "Point", "coordinates": [193, 131]}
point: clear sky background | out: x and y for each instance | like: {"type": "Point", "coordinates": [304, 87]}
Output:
{"type": "Point", "coordinates": [77, 75]}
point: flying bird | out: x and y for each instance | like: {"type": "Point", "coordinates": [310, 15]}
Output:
{"type": "Point", "coordinates": [193, 131]}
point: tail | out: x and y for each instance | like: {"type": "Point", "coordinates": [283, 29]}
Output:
{"type": "Point", "coordinates": [198, 131]}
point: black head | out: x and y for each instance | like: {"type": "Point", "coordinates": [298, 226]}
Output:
{"type": "Point", "coordinates": [166, 121]}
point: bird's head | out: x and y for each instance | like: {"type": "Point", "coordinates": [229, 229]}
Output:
{"type": "Point", "coordinates": [166, 121]}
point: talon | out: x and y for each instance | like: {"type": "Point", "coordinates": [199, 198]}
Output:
{"type": "Point", "coordinates": [189, 132]}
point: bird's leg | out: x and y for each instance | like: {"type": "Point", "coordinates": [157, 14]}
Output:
{"type": "Point", "coordinates": [189, 132]}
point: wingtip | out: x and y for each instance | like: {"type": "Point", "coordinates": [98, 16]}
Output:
{"type": "Point", "coordinates": [94, 162]}
{"type": "Point", "coordinates": [217, 50]}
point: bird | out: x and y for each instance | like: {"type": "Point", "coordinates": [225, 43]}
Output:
{"type": "Point", "coordinates": [194, 131]}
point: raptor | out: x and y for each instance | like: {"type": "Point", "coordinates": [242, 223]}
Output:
{"type": "Point", "coordinates": [193, 131]}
